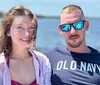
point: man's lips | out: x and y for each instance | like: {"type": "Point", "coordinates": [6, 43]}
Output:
{"type": "Point", "coordinates": [74, 37]}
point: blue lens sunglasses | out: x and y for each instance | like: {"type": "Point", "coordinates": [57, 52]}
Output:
{"type": "Point", "coordinates": [77, 26]}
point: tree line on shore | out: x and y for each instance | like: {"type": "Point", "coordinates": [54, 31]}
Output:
{"type": "Point", "coordinates": [1, 14]}
{"type": "Point", "coordinates": [46, 16]}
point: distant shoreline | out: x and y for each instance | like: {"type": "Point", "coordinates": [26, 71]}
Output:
{"type": "Point", "coordinates": [1, 14]}
{"type": "Point", "coordinates": [48, 16]}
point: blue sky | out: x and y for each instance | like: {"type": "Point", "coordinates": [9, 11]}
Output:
{"type": "Point", "coordinates": [91, 8]}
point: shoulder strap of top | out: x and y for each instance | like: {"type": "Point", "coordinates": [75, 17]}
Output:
{"type": "Point", "coordinates": [37, 60]}
{"type": "Point", "coordinates": [8, 61]}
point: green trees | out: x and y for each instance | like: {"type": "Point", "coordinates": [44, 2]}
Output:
{"type": "Point", "coordinates": [1, 14]}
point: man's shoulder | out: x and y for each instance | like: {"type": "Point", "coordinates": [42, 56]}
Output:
{"type": "Point", "coordinates": [53, 50]}
{"type": "Point", "coordinates": [93, 50]}
{"type": "Point", "coordinates": [40, 55]}
{"type": "Point", "coordinates": [57, 51]}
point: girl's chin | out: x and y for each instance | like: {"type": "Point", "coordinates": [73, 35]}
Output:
{"type": "Point", "coordinates": [25, 46]}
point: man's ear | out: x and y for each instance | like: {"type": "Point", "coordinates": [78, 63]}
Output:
{"type": "Point", "coordinates": [86, 25]}
{"type": "Point", "coordinates": [60, 29]}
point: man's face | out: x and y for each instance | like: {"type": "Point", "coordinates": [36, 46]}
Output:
{"type": "Point", "coordinates": [74, 38]}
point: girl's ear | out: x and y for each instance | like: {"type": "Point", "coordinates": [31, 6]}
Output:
{"type": "Point", "coordinates": [8, 33]}
{"type": "Point", "coordinates": [86, 25]}
{"type": "Point", "coordinates": [60, 29]}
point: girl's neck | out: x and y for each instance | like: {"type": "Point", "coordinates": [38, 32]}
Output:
{"type": "Point", "coordinates": [19, 54]}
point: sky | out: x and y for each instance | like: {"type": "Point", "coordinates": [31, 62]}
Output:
{"type": "Point", "coordinates": [91, 8]}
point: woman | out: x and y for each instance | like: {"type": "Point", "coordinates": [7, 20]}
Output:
{"type": "Point", "coordinates": [22, 65]}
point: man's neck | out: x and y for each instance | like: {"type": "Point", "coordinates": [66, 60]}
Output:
{"type": "Point", "coordinates": [80, 49]}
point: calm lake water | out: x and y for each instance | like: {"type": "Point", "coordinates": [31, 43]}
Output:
{"type": "Point", "coordinates": [48, 34]}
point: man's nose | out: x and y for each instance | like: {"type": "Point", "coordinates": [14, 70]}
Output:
{"type": "Point", "coordinates": [72, 31]}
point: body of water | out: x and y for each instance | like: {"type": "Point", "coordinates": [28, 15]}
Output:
{"type": "Point", "coordinates": [48, 34]}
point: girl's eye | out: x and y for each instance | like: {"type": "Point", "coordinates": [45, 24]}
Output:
{"type": "Point", "coordinates": [19, 27]}
{"type": "Point", "coordinates": [30, 29]}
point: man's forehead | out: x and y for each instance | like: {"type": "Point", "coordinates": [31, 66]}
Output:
{"type": "Point", "coordinates": [76, 14]}
{"type": "Point", "coordinates": [73, 13]}
{"type": "Point", "coordinates": [70, 17]}
{"type": "Point", "coordinates": [71, 10]}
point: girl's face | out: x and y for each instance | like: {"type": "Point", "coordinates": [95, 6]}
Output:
{"type": "Point", "coordinates": [21, 32]}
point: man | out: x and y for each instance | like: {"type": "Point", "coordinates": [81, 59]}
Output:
{"type": "Point", "coordinates": [77, 63]}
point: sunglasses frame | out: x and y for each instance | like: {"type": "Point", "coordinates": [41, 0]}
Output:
{"type": "Point", "coordinates": [72, 25]}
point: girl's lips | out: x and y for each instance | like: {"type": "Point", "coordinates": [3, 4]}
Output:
{"type": "Point", "coordinates": [24, 40]}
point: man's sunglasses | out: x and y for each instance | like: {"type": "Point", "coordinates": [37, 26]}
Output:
{"type": "Point", "coordinates": [77, 26]}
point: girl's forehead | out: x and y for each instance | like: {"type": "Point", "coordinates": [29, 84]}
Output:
{"type": "Point", "coordinates": [23, 20]}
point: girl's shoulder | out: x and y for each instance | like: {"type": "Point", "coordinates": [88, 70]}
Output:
{"type": "Point", "coordinates": [40, 56]}
{"type": "Point", "coordinates": [2, 58]}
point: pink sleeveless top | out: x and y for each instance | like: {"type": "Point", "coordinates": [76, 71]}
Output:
{"type": "Point", "coordinates": [17, 83]}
